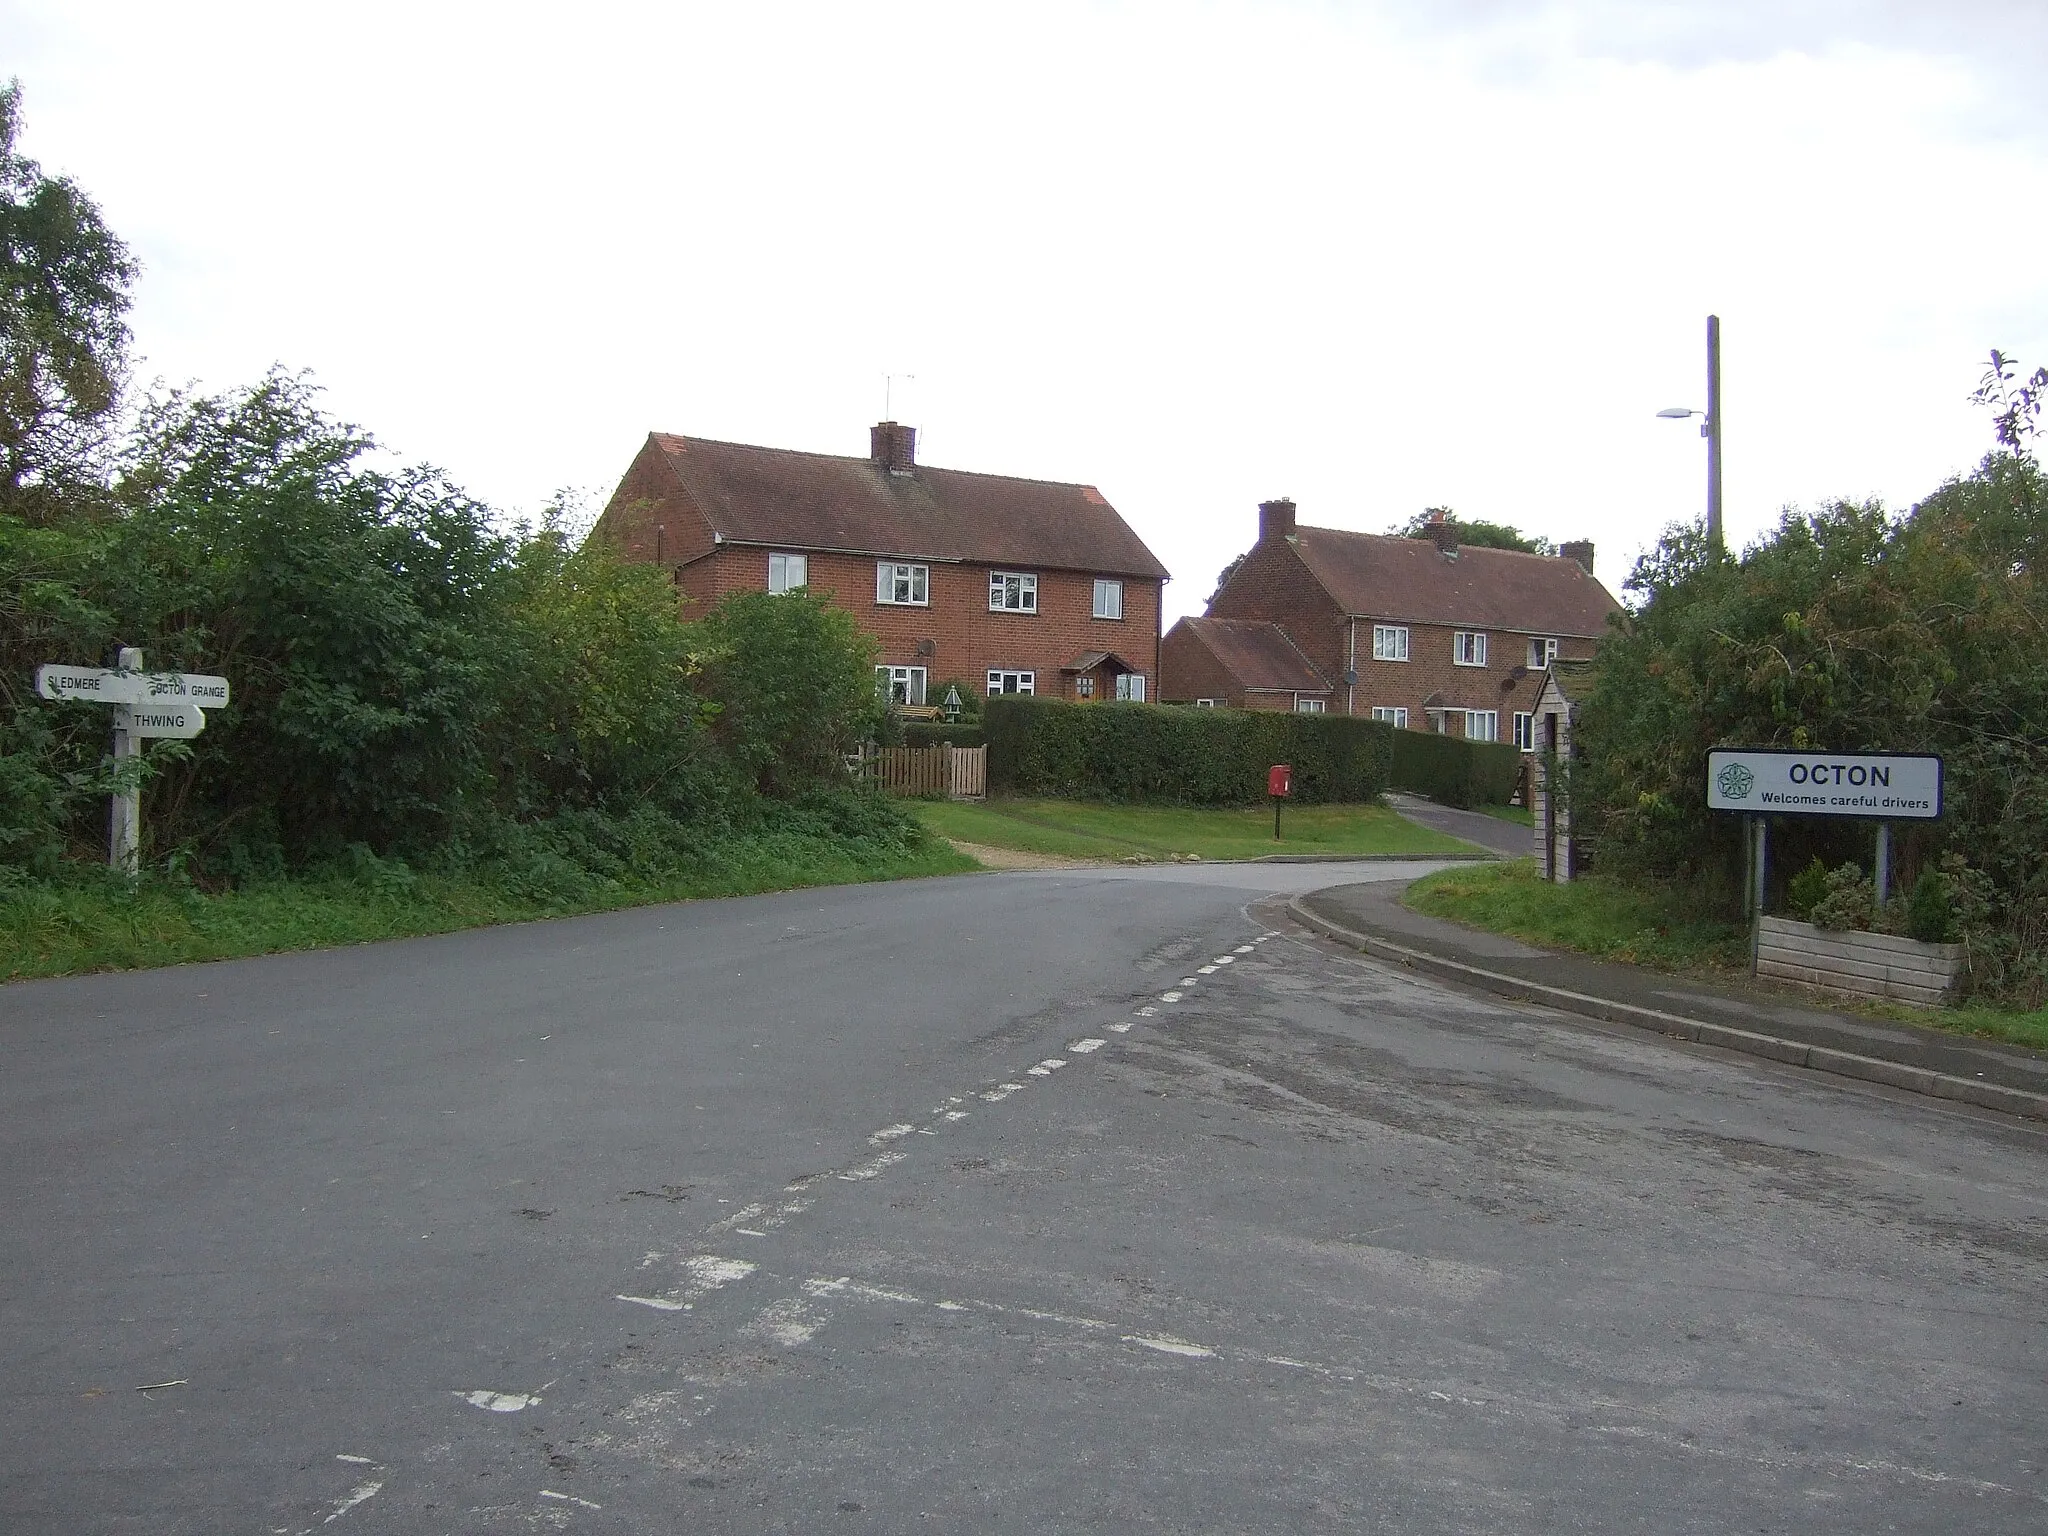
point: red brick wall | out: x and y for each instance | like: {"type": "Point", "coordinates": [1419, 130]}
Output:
{"type": "Point", "coordinates": [649, 498]}
{"type": "Point", "coordinates": [1189, 670]}
{"type": "Point", "coordinates": [1272, 583]}
{"type": "Point", "coordinates": [966, 639]}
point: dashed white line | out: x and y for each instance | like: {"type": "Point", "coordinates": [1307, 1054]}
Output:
{"type": "Point", "coordinates": [1122, 1028]}
{"type": "Point", "coordinates": [956, 1114]}
{"type": "Point", "coordinates": [355, 1496]}
{"type": "Point", "coordinates": [1083, 1047]}
{"type": "Point", "coordinates": [1148, 1011]}
{"type": "Point", "coordinates": [890, 1133]}
{"type": "Point", "coordinates": [1205, 970]}
{"type": "Point", "coordinates": [873, 1169]}
{"type": "Point", "coordinates": [1226, 959]}
{"type": "Point", "coordinates": [1170, 1346]}
{"type": "Point", "coordinates": [1169, 997]}
{"type": "Point", "coordinates": [1242, 949]}
{"type": "Point", "coordinates": [568, 1498]}
{"type": "Point", "coordinates": [1002, 1091]}
{"type": "Point", "coordinates": [498, 1402]}
{"type": "Point", "coordinates": [1047, 1067]}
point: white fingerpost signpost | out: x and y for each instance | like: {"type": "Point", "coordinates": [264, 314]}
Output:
{"type": "Point", "coordinates": [146, 704]}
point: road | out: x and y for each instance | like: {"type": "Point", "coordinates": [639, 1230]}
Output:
{"type": "Point", "coordinates": [1096, 1200]}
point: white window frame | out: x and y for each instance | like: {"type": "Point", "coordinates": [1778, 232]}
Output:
{"type": "Point", "coordinates": [913, 580]}
{"type": "Point", "coordinates": [1390, 642]}
{"type": "Point", "coordinates": [1310, 704]}
{"type": "Point", "coordinates": [1208, 704]}
{"type": "Point", "coordinates": [1468, 648]}
{"type": "Point", "coordinates": [1395, 715]}
{"type": "Point", "coordinates": [781, 568]}
{"type": "Point", "coordinates": [1542, 652]}
{"type": "Point", "coordinates": [1084, 685]}
{"type": "Point", "coordinates": [1109, 598]}
{"type": "Point", "coordinates": [1525, 730]}
{"type": "Point", "coordinates": [1027, 682]}
{"type": "Point", "coordinates": [1488, 727]}
{"type": "Point", "coordinates": [1130, 686]}
{"type": "Point", "coordinates": [1012, 592]}
{"type": "Point", "coordinates": [912, 680]}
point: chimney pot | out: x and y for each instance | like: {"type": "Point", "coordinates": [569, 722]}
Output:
{"type": "Point", "coordinates": [1580, 550]}
{"type": "Point", "coordinates": [893, 447]}
{"type": "Point", "coordinates": [1276, 519]}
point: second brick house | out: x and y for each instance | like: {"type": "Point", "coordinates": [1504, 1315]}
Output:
{"type": "Point", "coordinates": [1417, 632]}
{"type": "Point", "coordinates": [1008, 585]}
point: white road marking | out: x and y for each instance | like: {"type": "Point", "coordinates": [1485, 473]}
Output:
{"type": "Point", "coordinates": [659, 1303]}
{"type": "Point", "coordinates": [499, 1402]}
{"type": "Point", "coordinates": [1187, 981]}
{"type": "Point", "coordinates": [1002, 1091]}
{"type": "Point", "coordinates": [1205, 970]}
{"type": "Point", "coordinates": [356, 1495]}
{"type": "Point", "coordinates": [1148, 1011]}
{"type": "Point", "coordinates": [788, 1323]}
{"type": "Point", "coordinates": [1047, 1067]}
{"type": "Point", "coordinates": [956, 1114]}
{"type": "Point", "coordinates": [1168, 1346]}
{"type": "Point", "coordinates": [706, 1271]}
{"type": "Point", "coordinates": [1123, 1028]}
{"type": "Point", "coordinates": [1226, 959]}
{"type": "Point", "coordinates": [361, 1461]}
{"type": "Point", "coordinates": [1242, 949]}
{"type": "Point", "coordinates": [568, 1498]}
{"type": "Point", "coordinates": [744, 1213]}
{"type": "Point", "coordinates": [870, 1170]}
{"type": "Point", "coordinates": [890, 1133]}
{"type": "Point", "coordinates": [1169, 997]}
{"type": "Point", "coordinates": [1083, 1047]}
{"type": "Point", "coordinates": [750, 1232]}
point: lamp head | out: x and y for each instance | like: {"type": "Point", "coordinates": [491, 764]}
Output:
{"type": "Point", "coordinates": [1678, 413]}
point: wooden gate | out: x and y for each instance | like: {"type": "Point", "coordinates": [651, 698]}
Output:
{"type": "Point", "coordinates": [959, 773]}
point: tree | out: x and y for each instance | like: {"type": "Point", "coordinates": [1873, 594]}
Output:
{"type": "Point", "coordinates": [2015, 409]}
{"type": "Point", "coordinates": [64, 280]}
{"type": "Point", "coordinates": [1474, 532]}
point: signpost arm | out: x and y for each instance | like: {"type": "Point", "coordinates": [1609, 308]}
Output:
{"type": "Point", "coordinates": [124, 832]}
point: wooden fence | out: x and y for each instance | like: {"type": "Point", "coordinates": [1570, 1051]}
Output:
{"type": "Point", "coordinates": [959, 773]}
{"type": "Point", "coordinates": [1876, 965]}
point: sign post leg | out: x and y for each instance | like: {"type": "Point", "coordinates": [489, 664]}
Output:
{"type": "Point", "coordinates": [1762, 862]}
{"type": "Point", "coordinates": [1883, 877]}
{"type": "Point", "coordinates": [1276, 818]}
{"type": "Point", "coordinates": [124, 832]}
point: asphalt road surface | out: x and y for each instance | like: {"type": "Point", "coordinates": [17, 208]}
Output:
{"type": "Point", "coordinates": [1064, 1201]}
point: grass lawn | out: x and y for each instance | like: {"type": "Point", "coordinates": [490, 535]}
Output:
{"type": "Point", "coordinates": [99, 924]}
{"type": "Point", "coordinates": [1521, 816]}
{"type": "Point", "coordinates": [1084, 830]}
{"type": "Point", "coordinates": [1657, 925]}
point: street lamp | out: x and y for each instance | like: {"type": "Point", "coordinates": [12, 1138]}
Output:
{"type": "Point", "coordinates": [1710, 429]}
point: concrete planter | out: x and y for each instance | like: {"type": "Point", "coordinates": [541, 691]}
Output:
{"type": "Point", "coordinates": [1874, 965]}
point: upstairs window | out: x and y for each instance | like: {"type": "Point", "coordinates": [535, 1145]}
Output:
{"type": "Point", "coordinates": [895, 583]}
{"type": "Point", "coordinates": [1109, 599]}
{"type": "Point", "coordinates": [1390, 642]}
{"type": "Point", "coordinates": [1468, 649]}
{"type": "Point", "coordinates": [1541, 654]}
{"type": "Point", "coordinates": [787, 572]}
{"type": "Point", "coordinates": [1009, 592]}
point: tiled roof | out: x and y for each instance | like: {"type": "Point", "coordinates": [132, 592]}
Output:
{"type": "Point", "coordinates": [1258, 654]}
{"type": "Point", "coordinates": [819, 501]}
{"type": "Point", "coordinates": [1384, 576]}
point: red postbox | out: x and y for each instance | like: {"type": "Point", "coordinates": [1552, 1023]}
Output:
{"type": "Point", "coordinates": [1279, 780]}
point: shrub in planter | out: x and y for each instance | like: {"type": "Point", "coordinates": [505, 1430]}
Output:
{"type": "Point", "coordinates": [1804, 890]}
{"type": "Point", "coordinates": [1850, 901]}
{"type": "Point", "coordinates": [1930, 915]}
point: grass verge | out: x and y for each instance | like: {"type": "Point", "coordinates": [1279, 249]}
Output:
{"type": "Point", "coordinates": [1088, 830]}
{"type": "Point", "coordinates": [95, 922]}
{"type": "Point", "coordinates": [1656, 924]}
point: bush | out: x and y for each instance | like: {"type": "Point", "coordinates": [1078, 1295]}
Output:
{"type": "Point", "coordinates": [1930, 916]}
{"type": "Point", "coordinates": [1805, 889]}
{"type": "Point", "coordinates": [1453, 771]}
{"type": "Point", "coordinates": [1849, 903]}
{"type": "Point", "coordinates": [1172, 755]}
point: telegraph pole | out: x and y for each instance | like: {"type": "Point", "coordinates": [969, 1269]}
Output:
{"type": "Point", "coordinates": [1713, 429]}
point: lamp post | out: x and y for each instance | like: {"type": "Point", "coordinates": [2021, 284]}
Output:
{"type": "Point", "coordinates": [1710, 429]}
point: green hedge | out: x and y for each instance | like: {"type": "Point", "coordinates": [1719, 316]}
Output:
{"type": "Point", "coordinates": [1174, 755]}
{"type": "Point", "coordinates": [919, 733]}
{"type": "Point", "coordinates": [1454, 771]}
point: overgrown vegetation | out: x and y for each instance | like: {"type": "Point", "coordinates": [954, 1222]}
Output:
{"type": "Point", "coordinates": [462, 719]}
{"type": "Point", "coordinates": [1850, 629]}
{"type": "Point", "coordinates": [1172, 755]}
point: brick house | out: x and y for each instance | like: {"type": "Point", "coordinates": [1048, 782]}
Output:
{"type": "Point", "coordinates": [1013, 586]}
{"type": "Point", "coordinates": [1240, 664]}
{"type": "Point", "coordinates": [1417, 632]}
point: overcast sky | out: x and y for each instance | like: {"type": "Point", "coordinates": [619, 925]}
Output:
{"type": "Point", "coordinates": [1372, 256]}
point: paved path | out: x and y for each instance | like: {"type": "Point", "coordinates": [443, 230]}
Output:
{"type": "Point", "coordinates": [1507, 838]}
{"type": "Point", "coordinates": [1051, 1201]}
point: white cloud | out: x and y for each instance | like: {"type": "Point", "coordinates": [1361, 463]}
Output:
{"type": "Point", "coordinates": [1198, 255]}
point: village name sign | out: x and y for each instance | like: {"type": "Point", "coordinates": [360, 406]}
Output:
{"type": "Point", "coordinates": [1876, 786]}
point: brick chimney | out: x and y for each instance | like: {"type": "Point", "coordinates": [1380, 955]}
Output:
{"type": "Point", "coordinates": [1443, 535]}
{"type": "Point", "coordinates": [893, 446]}
{"type": "Point", "coordinates": [1580, 550]}
{"type": "Point", "coordinates": [1276, 519]}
